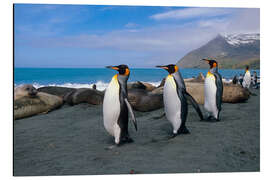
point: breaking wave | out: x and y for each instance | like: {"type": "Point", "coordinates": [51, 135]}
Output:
{"type": "Point", "coordinates": [100, 85]}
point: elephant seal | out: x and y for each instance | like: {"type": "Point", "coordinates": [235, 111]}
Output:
{"type": "Point", "coordinates": [141, 85]}
{"type": "Point", "coordinates": [199, 78]}
{"type": "Point", "coordinates": [54, 90]}
{"type": "Point", "coordinates": [25, 90]}
{"type": "Point", "coordinates": [232, 93]}
{"type": "Point", "coordinates": [158, 90]}
{"type": "Point", "coordinates": [148, 86]}
{"type": "Point", "coordinates": [162, 83]}
{"type": "Point", "coordinates": [144, 101]}
{"type": "Point", "coordinates": [26, 104]}
{"type": "Point", "coordinates": [87, 95]}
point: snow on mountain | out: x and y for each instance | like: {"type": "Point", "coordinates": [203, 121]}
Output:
{"type": "Point", "coordinates": [231, 51]}
{"type": "Point", "coordinates": [240, 39]}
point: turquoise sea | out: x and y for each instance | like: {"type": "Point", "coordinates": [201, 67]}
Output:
{"type": "Point", "coordinates": [86, 77]}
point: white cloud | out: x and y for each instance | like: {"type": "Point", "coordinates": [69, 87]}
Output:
{"type": "Point", "coordinates": [242, 21]}
{"type": "Point", "coordinates": [188, 13]}
{"type": "Point", "coordinates": [131, 25]}
{"type": "Point", "coordinates": [213, 23]}
{"type": "Point", "coordinates": [159, 44]}
{"type": "Point", "coordinates": [247, 21]}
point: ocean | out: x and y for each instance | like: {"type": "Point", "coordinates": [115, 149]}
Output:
{"type": "Point", "coordinates": [86, 77]}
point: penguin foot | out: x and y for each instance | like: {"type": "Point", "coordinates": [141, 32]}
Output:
{"type": "Point", "coordinates": [127, 140]}
{"type": "Point", "coordinates": [183, 130]}
{"type": "Point", "coordinates": [172, 136]}
{"type": "Point", "coordinates": [212, 119]}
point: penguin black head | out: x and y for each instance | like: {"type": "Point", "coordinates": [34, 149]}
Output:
{"type": "Point", "coordinates": [171, 68]}
{"type": "Point", "coordinates": [212, 63]}
{"type": "Point", "coordinates": [247, 68]}
{"type": "Point", "coordinates": [122, 69]}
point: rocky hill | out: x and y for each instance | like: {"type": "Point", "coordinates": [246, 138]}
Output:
{"type": "Point", "coordinates": [231, 51]}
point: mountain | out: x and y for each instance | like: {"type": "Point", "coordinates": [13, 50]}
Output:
{"type": "Point", "coordinates": [231, 51]}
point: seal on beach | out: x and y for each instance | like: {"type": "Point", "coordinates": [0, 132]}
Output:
{"type": "Point", "coordinates": [27, 106]}
{"type": "Point", "coordinates": [84, 95]}
{"type": "Point", "coordinates": [213, 91]}
{"type": "Point", "coordinates": [145, 101]}
{"type": "Point", "coordinates": [116, 106]}
{"type": "Point", "coordinates": [55, 90]}
{"type": "Point", "coordinates": [175, 99]}
{"type": "Point", "coordinates": [26, 90]}
{"type": "Point", "coordinates": [141, 85]}
{"type": "Point", "coordinates": [247, 78]}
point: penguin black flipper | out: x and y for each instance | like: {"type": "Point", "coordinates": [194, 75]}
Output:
{"type": "Point", "coordinates": [194, 104]}
{"type": "Point", "coordinates": [181, 89]}
{"type": "Point", "coordinates": [184, 108]}
{"type": "Point", "coordinates": [131, 113]}
{"type": "Point", "coordinates": [219, 93]}
{"type": "Point", "coordinates": [184, 112]}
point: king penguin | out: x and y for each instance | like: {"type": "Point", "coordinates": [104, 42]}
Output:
{"type": "Point", "coordinates": [116, 106]}
{"type": "Point", "coordinates": [247, 78]}
{"type": "Point", "coordinates": [175, 99]}
{"type": "Point", "coordinates": [213, 91]}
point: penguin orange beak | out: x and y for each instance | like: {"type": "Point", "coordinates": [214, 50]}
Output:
{"type": "Point", "coordinates": [163, 67]}
{"type": "Point", "coordinates": [113, 67]}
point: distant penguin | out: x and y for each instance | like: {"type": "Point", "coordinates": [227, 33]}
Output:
{"type": "Point", "coordinates": [247, 78]}
{"type": "Point", "coordinates": [234, 80]}
{"type": "Point", "coordinates": [213, 90]}
{"type": "Point", "coordinates": [116, 106]}
{"type": "Point", "coordinates": [175, 99]}
{"type": "Point", "coordinates": [240, 79]}
{"type": "Point", "coordinates": [255, 80]}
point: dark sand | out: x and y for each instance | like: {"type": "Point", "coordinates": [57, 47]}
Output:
{"type": "Point", "coordinates": [73, 141]}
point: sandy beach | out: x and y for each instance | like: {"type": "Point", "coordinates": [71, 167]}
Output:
{"type": "Point", "coordinates": [72, 141]}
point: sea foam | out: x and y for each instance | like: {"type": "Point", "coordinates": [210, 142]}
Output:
{"type": "Point", "coordinates": [100, 85]}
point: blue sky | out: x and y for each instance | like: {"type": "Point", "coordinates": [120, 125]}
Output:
{"type": "Point", "coordinates": [140, 36]}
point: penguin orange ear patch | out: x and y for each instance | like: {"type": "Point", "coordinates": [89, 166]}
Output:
{"type": "Point", "coordinates": [215, 64]}
{"type": "Point", "coordinates": [175, 68]}
{"type": "Point", "coordinates": [127, 72]}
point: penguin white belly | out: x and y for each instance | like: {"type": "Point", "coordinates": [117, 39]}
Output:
{"type": "Point", "coordinates": [172, 104]}
{"type": "Point", "coordinates": [111, 107]}
{"type": "Point", "coordinates": [210, 90]}
{"type": "Point", "coordinates": [247, 80]}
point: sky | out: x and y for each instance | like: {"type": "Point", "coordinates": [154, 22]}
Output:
{"type": "Point", "coordinates": [78, 36]}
